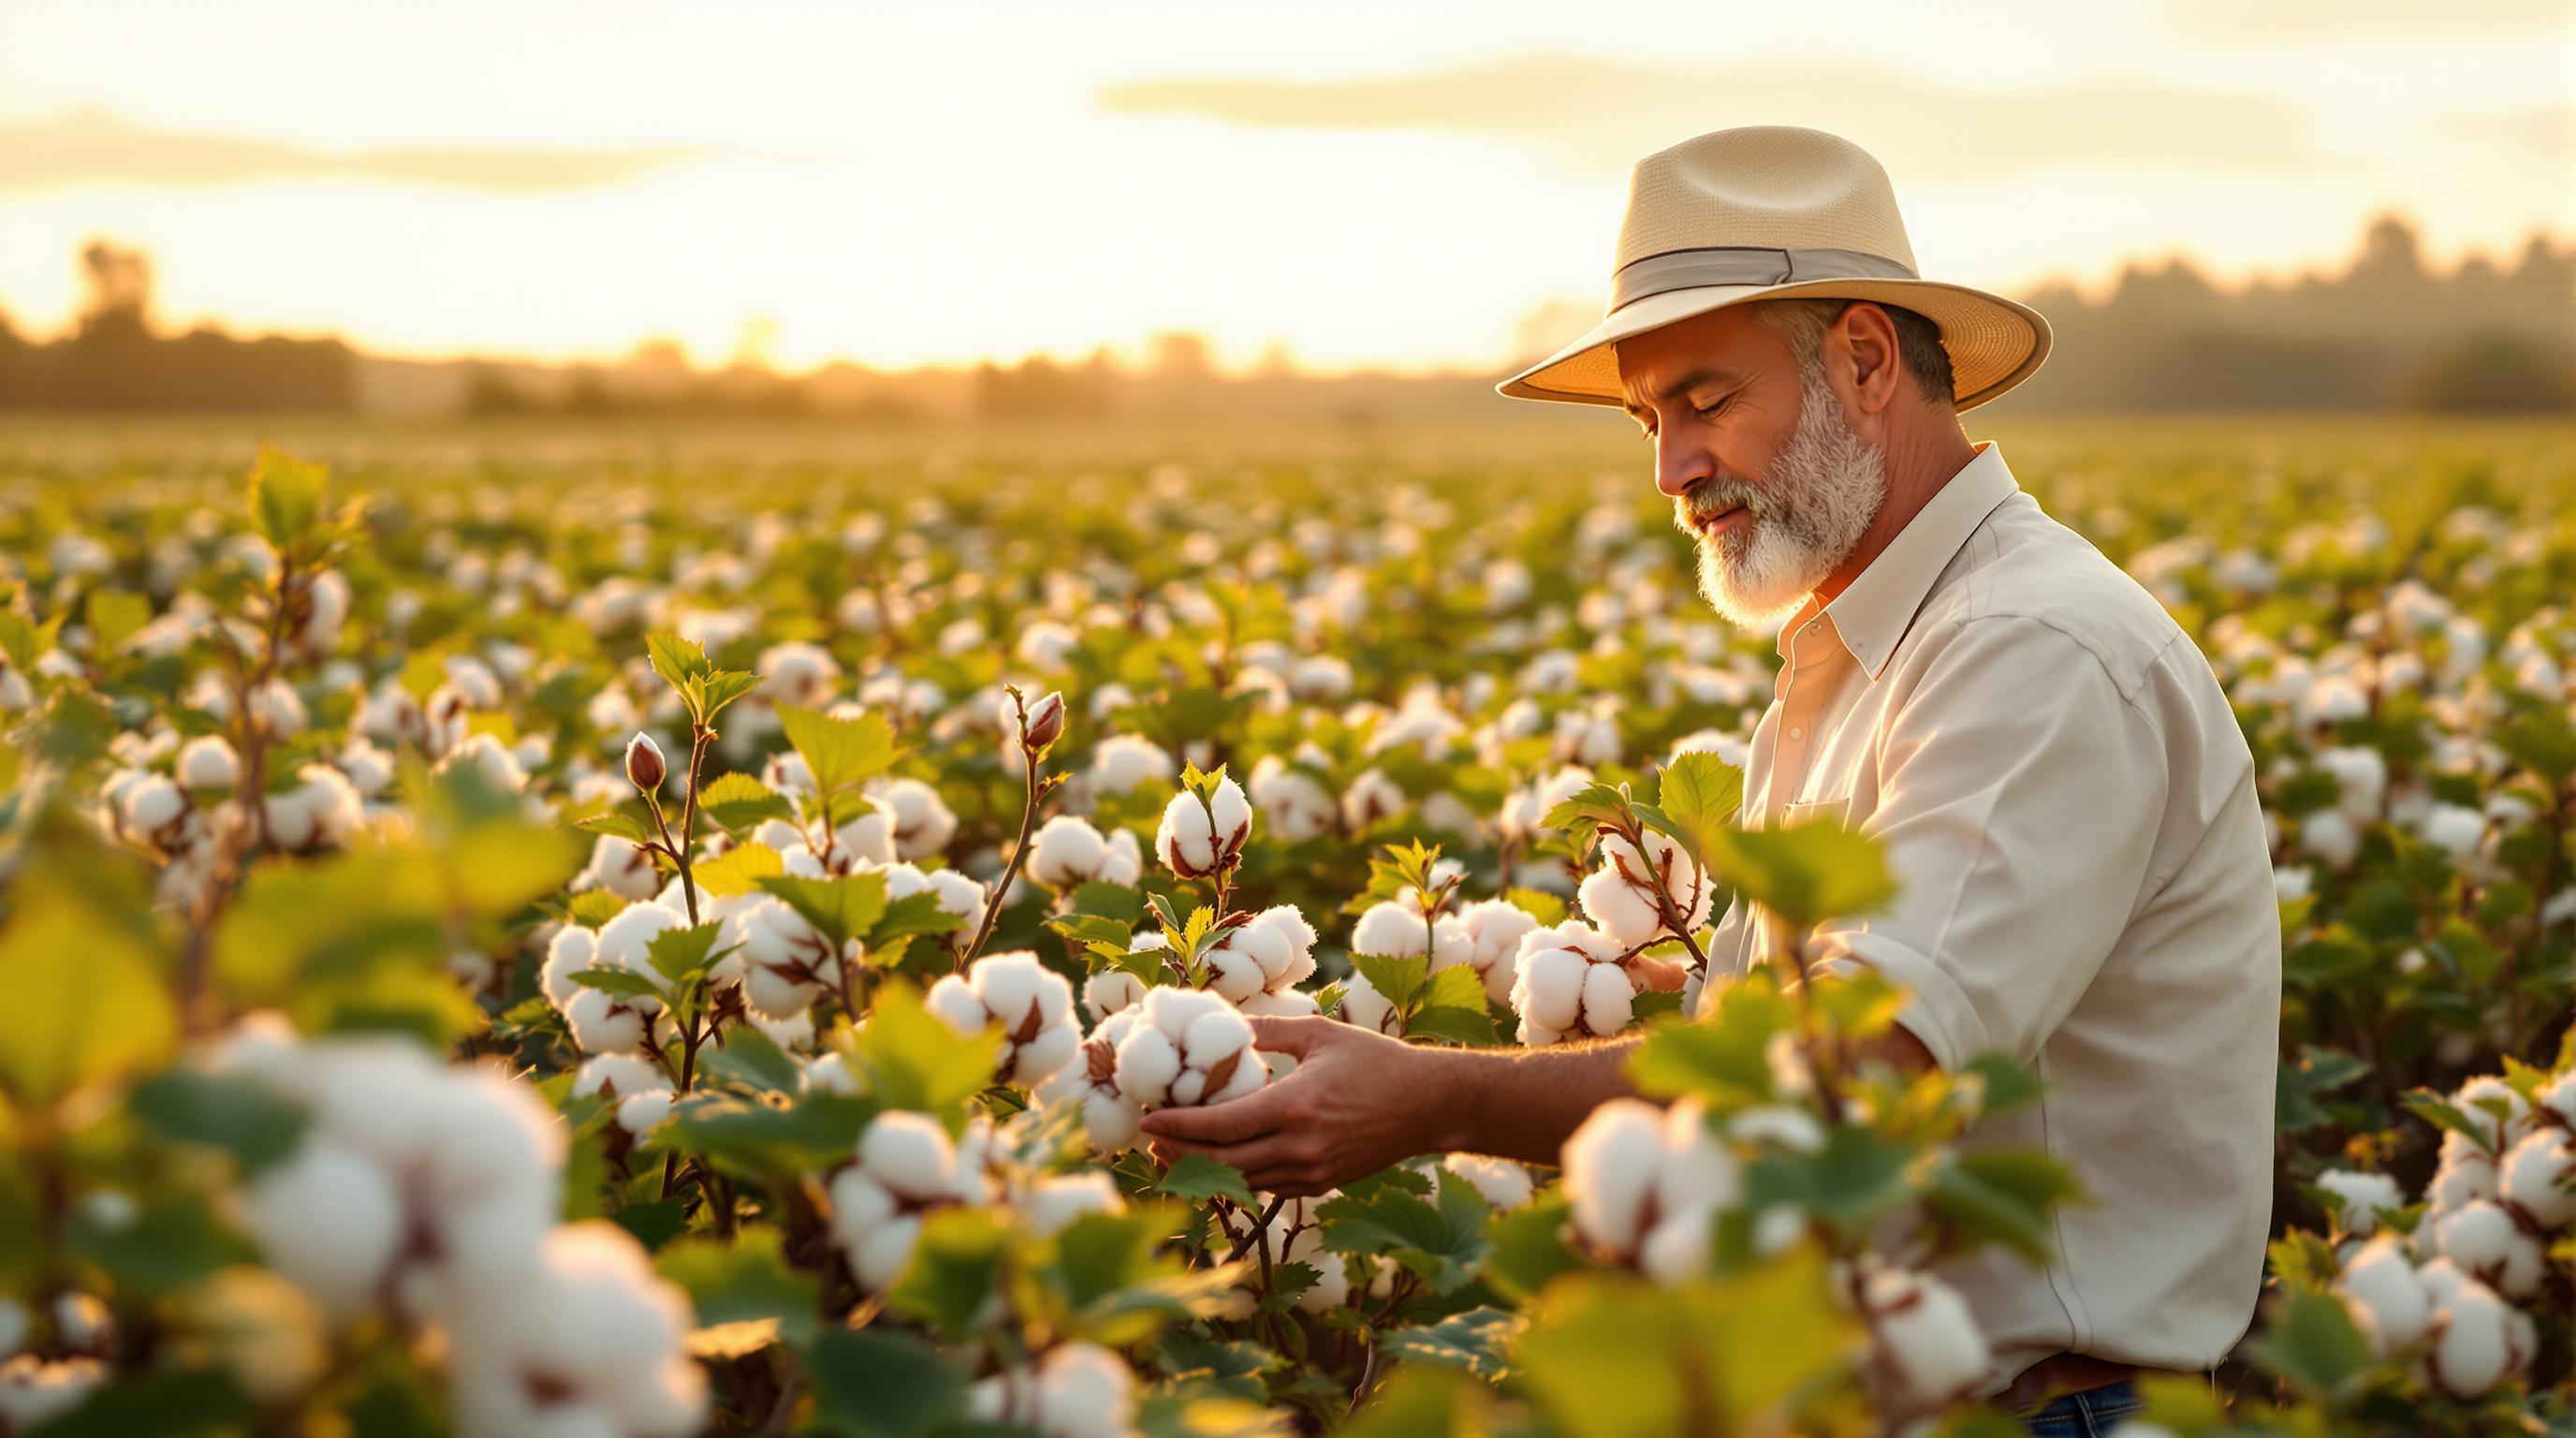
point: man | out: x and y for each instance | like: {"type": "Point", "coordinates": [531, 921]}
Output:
{"type": "Point", "coordinates": [2051, 767]}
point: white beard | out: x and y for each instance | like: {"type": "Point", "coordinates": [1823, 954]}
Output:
{"type": "Point", "coordinates": [1823, 489]}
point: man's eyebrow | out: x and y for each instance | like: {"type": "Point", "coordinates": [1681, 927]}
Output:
{"type": "Point", "coordinates": [1693, 380]}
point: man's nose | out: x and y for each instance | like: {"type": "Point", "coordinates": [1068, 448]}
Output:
{"type": "Point", "coordinates": [1678, 467]}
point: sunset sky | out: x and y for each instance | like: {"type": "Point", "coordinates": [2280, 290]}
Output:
{"type": "Point", "coordinates": [1381, 183]}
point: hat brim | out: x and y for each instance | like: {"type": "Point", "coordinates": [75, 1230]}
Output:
{"type": "Point", "coordinates": [1994, 343]}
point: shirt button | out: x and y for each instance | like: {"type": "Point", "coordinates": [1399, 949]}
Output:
{"type": "Point", "coordinates": [1797, 733]}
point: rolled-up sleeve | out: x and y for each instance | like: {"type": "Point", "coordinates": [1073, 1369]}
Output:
{"type": "Point", "coordinates": [2019, 796]}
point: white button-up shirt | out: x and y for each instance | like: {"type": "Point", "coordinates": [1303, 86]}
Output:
{"type": "Point", "coordinates": [2067, 801]}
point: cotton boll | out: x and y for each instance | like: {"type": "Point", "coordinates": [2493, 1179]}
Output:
{"type": "Point", "coordinates": [1391, 929]}
{"type": "Point", "coordinates": [1494, 929]}
{"type": "Point", "coordinates": [2361, 781]}
{"type": "Point", "coordinates": [1610, 1164]}
{"type": "Point", "coordinates": [2386, 1299]}
{"type": "Point", "coordinates": [1055, 1202]}
{"type": "Point", "coordinates": [622, 868]}
{"type": "Point", "coordinates": [602, 1025]}
{"type": "Point", "coordinates": [921, 821]}
{"type": "Point", "coordinates": [2488, 1245]}
{"type": "Point", "coordinates": [1696, 1171]}
{"type": "Point", "coordinates": [2363, 1195]}
{"type": "Point", "coordinates": [2474, 1097]}
{"type": "Point", "coordinates": [1618, 909]}
{"type": "Point", "coordinates": [617, 1075]}
{"type": "Point", "coordinates": [2533, 1175]}
{"type": "Point", "coordinates": [1609, 999]}
{"type": "Point", "coordinates": [1364, 1007]}
{"type": "Point", "coordinates": [1148, 1061]}
{"type": "Point", "coordinates": [34, 1392]}
{"type": "Point", "coordinates": [1926, 1337]}
{"type": "Point", "coordinates": [1500, 1182]}
{"type": "Point", "coordinates": [2455, 830]}
{"type": "Point", "coordinates": [2331, 838]}
{"type": "Point", "coordinates": [1548, 992]}
{"type": "Point", "coordinates": [1066, 851]}
{"type": "Point", "coordinates": [1110, 990]}
{"type": "Point", "coordinates": [152, 807]}
{"type": "Point", "coordinates": [587, 1329]}
{"type": "Point", "coordinates": [207, 762]}
{"type": "Point", "coordinates": [641, 1113]}
{"type": "Point", "coordinates": [571, 950]}
{"type": "Point", "coordinates": [1294, 806]}
{"type": "Point", "coordinates": [2474, 1342]}
{"type": "Point", "coordinates": [329, 1220]}
{"type": "Point", "coordinates": [1125, 761]}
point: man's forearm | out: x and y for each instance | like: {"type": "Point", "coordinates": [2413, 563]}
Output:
{"type": "Point", "coordinates": [1519, 1104]}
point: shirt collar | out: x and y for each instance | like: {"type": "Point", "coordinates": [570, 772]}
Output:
{"type": "Point", "coordinates": [1874, 611]}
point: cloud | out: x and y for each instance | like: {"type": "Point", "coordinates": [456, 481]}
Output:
{"type": "Point", "coordinates": [2547, 130]}
{"type": "Point", "coordinates": [2335, 20]}
{"type": "Point", "coordinates": [1595, 114]}
{"type": "Point", "coordinates": [94, 147]}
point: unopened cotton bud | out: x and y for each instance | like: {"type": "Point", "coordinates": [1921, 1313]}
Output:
{"type": "Point", "coordinates": [644, 766]}
{"type": "Point", "coordinates": [1045, 722]}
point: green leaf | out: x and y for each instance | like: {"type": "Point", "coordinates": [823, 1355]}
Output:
{"type": "Point", "coordinates": [174, 1241]}
{"type": "Point", "coordinates": [87, 1003]}
{"type": "Point", "coordinates": [1115, 902]}
{"type": "Point", "coordinates": [839, 909]}
{"type": "Point", "coordinates": [1592, 806]}
{"type": "Point", "coordinates": [738, 801]}
{"type": "Point", "coordinates": [286, 496]}
{"type": "Point", "coordinates": [737, 870]}
{"type": "Point", "coordinates": [1398, 979]}
{"type": "Point", "coordinates": [114, 616]}
{"type": "Point", "coordinates": [2317, 1073]}
{"type": "Point", "coordinates": [745, 1294]}
{"type": "Point", "coordinates": [2004, 1195]}
{"type": "Point", "coordinates": [677, 660]}
{"type": "Point", "coordinates": [2313, 1342]}
{"type": "Point", "coordinates": [1478, 1340]}
{"type": "Point", "coordinates": [879, 1383]}
{"type": "Point", "coordinates": [1454, 1022]}
{"type": "Point", "coordinates": [1198, 1177]}
{"type": "Point", "coordinates": [1528, 1245]}
{"type": "Point", "coordinates": [1539, 904]}
{"type": "Point", "coordinates": [955, 1264]}
{"type": "Point", "coordinates": [594, 907]}
{"type": "Point", "coordinates": [2007, 1084]}
{"type": "Point", "coordinates": [721, 687]}
{"type": "Point", "coordinates": [2434, 1109]}
{"type": "Point", "coordinates": [617, 825]}
{"type": "Point", "coordinates": [2542, 741]}
{"type": "Point", "coordinates": [1853, 1180]}
{"type": "Point", "coordinates": [619, 983]}
{"type": "Point", "coordinates": [1426, 1402]}
{"type": "Point", "coordinates": [910, 1058]}
{"type": "Point", "coordinates": [764, 1139]}
{"type": "Point", "coordinates": [682, 956]}
{"type": "Point", "coordinates": [1700, 794]}
{"type": "Point", "coordinates": [839, 753]}
{"type": "Point", "coordinates": [173, 1403]}
{"type": "Point", "coordinates": [1613, 1356]}
{"type": "Point", "coordinates": [749, 1057]}
{"type": "Point", "coordinates": [1724, 1056]}
{"type": "Point", "coordinates": [1805, 874]}
{"type": "Point", "coordinates": [237, 1115]}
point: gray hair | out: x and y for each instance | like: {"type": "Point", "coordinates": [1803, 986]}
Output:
{"type": "Point", "coordinates": [1800, 323]}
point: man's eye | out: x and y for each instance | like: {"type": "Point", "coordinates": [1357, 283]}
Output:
{"type": "Point", "coordinates": [1706, 410]}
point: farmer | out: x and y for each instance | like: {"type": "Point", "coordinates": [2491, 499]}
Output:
{"type": "Point", "coordinates": [2047, 760]}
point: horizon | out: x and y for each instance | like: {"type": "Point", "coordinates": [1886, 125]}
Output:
{"type": "Point", "coordinates": [796, 185]}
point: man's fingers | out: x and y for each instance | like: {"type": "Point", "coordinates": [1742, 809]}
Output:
{"type": "Point", "coordinates": [1658, 975]}
{"type": "Point", "coordinates": [1292, 1035]}
{"type": "Point", "coordinates": [1248, 1117]}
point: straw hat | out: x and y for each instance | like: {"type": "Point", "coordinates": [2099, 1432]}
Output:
{"type": "Point", "coordinates": [1772, 212]}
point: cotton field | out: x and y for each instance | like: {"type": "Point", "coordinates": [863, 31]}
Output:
{"type": "Point", "coordinates": [555, 947]}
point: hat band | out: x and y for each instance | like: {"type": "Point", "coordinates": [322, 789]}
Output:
{"type": "Point", "coordinates": [1744, 265]}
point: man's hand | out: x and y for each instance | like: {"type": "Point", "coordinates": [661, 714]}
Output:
{"type": "Point", "coordinates": [1357, 1102]}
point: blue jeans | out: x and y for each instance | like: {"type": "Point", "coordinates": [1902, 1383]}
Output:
{"type": "Point", "coordinates": [2090, 1414]}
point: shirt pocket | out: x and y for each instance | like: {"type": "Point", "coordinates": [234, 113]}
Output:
{"type": "Point", "coordinates": [1816, 810]}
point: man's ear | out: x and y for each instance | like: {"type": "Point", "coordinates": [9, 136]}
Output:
{"type": "Point", "coordinates": [1868, 362]}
